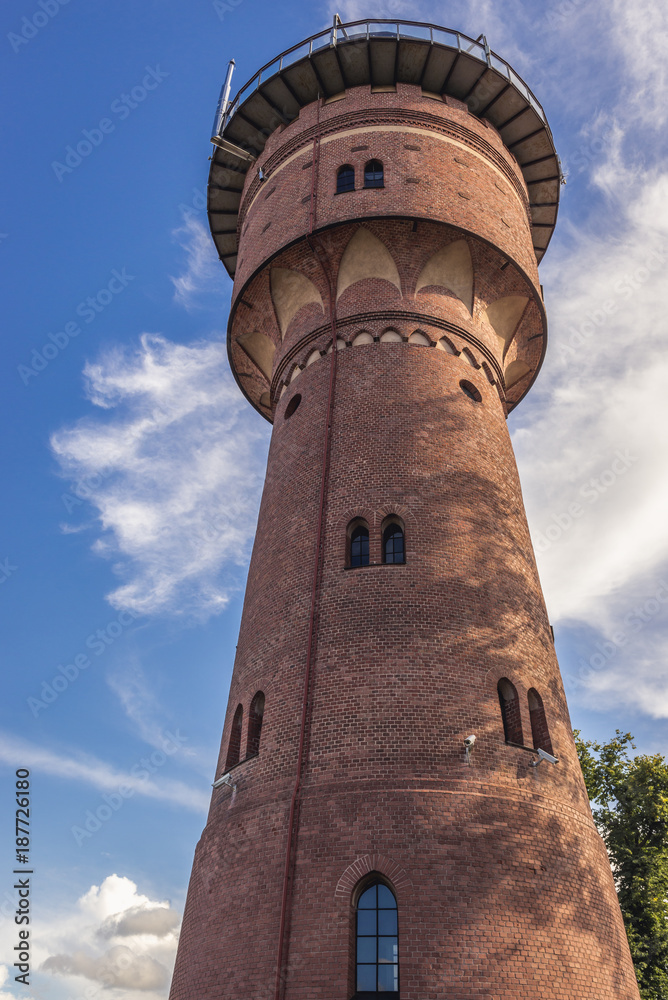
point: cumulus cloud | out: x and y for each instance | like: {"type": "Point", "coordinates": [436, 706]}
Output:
{"type": "Point", "coordinates": [173, 469]}
{"type": "Point", "coordinates": [139, 963]}
{"type": "Point", "coordinates": [157, 921]}
{"type": "Point", "coordinates": [118, 967]}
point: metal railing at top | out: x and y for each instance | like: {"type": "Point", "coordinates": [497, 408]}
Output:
{"type": "Point", "coordinates": [356, 31]}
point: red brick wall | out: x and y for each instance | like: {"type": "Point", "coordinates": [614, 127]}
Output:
{"type": "Point", "coordinates": [503, 884]}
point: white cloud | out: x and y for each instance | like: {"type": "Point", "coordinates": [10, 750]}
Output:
{"type": "Point", "coordinates": [204, 274]}
{"type": "Point", "coordinates": [174, 472]}
{"type": "Point", "coordinates": [92, 771]}
{"type": "Point", "coordinates": [640, 36]}
{"type": "Point", "coordinates": [592, 432]}
{"type": "Point", "coordinates": [139, 936]}
{"type": "Point", "coordinates": [6, 981]}
{"type": "Point", "coordinates": [118, 967]}
{"type": "Point", "coordinates": [158, 921]}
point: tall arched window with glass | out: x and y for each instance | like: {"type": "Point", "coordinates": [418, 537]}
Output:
{"type": "Point", "coordinates": [377, 941]}
{"type": "Point", "coordinates": [359, 546]}
{"type": "Point", "coordinates": [393, 542]}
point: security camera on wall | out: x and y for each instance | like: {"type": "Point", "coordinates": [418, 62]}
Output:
{"type": "Point", "coordinates": [469, 741]}
{"type": "Point", "coordinates": [544, 755]}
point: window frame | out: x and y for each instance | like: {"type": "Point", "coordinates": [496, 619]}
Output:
{"type": "Point", "coordinates": [511, 727]}
{"type": "Point", "coordinates": [255, 723]}
{"type": "Point", "coordinates": [540, 731]}
{"type": "Point", "coordinates": [375, 181]}
{"type": "Point", "coordinates": [389, 522]}
{"type": "Point", "coordinates": [354, 525]}
{"type": "Point", "coordinates": [348, 167]}
{"type": "Point", "coordinates": [233, 756]}
{"type": "Point", "coordinates": [374, 878]}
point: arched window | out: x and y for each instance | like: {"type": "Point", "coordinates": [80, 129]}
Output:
{"type": "Point", "coordinates": [394, 550]}
{"type": "Point", "coordinates": [377, 943]}
{"type": "Point", "coordinates": [345, 179]}
{"type": "Point", "coordinates": [510, 712]}
{"type": "Point", "coordinates": [373, 174]}
{"type": "Point", "coordinates": [255, 717]}
{"type": "Point", "coordinates": [234, 746]}
{"type": "Point", "coordinates": [358, 543]}
{"type": "Point", "coordinates": [540, 734]}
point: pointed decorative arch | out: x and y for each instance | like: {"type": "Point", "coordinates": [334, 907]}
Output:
{"type": "Point", "coordinates": [370, 863]}
{"type": "Point", "coordinates": [366, 257]}
{"type": "Point", "coordinates": [451, 268]}
{"type": "Point", "coordinates": [504, 317]}
{"type": "Point", "coordinates": [290, 292]}
{"type": "Point", "coordinates": [514, 372]}
{"type": "Point", "coordinates": [260, 349]}
{"type": "Point", "coordinates": [363, 337]}
{"type": "Point", "coordinates": [391, 336]}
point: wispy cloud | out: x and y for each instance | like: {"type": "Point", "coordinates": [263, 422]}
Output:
{"type": "Point", "coordinates": [203, 276]}
{"type": "Point", "coordinates": [148, 716]}
{"type": "Point", "coordinates": [176, 469]}
{"type": "Point", "coordinates": [90, 770]}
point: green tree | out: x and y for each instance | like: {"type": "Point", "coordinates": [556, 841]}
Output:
{"type": "Point", "coordinates": [629, 797]}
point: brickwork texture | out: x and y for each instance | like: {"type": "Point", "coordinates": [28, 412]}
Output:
{"type": "Point", "coordinates": [503, 885]}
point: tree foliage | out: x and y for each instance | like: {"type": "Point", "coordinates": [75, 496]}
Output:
{"type": "Point", "coordinates": [629, 797]}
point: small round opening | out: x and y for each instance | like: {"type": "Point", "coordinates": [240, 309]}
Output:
{"type": "Point", "coordinates": [470, 390]}
{"type": "Point", "coordinates": [292, 405]}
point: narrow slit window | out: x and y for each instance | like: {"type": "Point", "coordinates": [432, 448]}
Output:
{"type": "Point", "coordinates": [510, 712]}
{"type": "Point", "coordinates": [373, 174]}
{"type": "Point", "coordinates": [234, 746]}
{"type": "Point", "coordinates": [255, 718]}
{"type": "Point", "coordinates": [345, 179]}
{"type": "Point", "coordinates": [394, 547]}
{"type": "Point", "coordinates": [377, 942]}
{"type": "Point", "coordinates": [540, 734]}
{"type": "Point", "coordinates": [358, 543]}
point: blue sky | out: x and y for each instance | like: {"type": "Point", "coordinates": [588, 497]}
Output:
{"type": "Point", "coordinates": [133, 466]}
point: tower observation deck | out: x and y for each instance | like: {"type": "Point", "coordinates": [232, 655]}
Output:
{"type": "Point", "coordinates": [398, 805]}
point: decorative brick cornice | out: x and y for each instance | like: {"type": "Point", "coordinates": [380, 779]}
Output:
{"type": "Point", "coordinates": [388, 316]}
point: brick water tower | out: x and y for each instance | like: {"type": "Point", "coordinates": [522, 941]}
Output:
{"type": "Point", "coordinates": [382, 821]}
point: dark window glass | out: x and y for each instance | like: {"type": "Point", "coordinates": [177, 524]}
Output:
{"type": "Point", "coordinates": [234, 746]}
{"type": "Point", "coordinates": [393, 544]}
{"type": "Point", "coordinates": [470, 390]}
{"type": "Point", "coordinates": [510, 712]}
{"type": "Point", "coordinates": [377, 951]}
{"type": "Point", "coordinates": [373, 174]}
{"type": "Point", "coordinates": [359, 546]}
{"type": "Point", "coordinates": [345, 179]}
{"type": "Point", "coordinates": [540, 734]}
{"type": "Point", "coordinates": [255, 725]}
